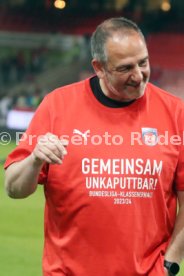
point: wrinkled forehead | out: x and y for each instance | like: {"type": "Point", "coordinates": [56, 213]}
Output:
{"type": "Point", "coordinates": [125, 37]}
{"type": "Point", "coordinates": [126, 43]}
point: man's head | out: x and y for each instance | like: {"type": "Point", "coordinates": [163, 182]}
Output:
{"type": "Point", "coordinates": [120, 59]}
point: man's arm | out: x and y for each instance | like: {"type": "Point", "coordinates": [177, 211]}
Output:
{"type": "Point", "coordinates": [175, 250]}
{"type": "Point", "coordinates": [21, 177]}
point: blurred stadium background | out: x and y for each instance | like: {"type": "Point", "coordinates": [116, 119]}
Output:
{"type": "Point", "coordinates": [45, 44]}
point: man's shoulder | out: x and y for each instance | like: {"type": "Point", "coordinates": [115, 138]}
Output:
{"type": "Point", "coordinates": [164, 95]}
{"type": "Point", "coordinates": [69, 89]}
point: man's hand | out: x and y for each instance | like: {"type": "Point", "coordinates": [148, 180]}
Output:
{"type": "Point", "coordinates": [49, 149]}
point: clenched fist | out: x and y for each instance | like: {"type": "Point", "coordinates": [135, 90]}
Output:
{"type": "Point", "coordinates": [49, 149]}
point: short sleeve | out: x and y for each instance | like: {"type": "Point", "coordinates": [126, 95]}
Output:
{"type": "Point", "coordinates": [179, 175]}
{"type": "Point", "coordinates": [40, 125]}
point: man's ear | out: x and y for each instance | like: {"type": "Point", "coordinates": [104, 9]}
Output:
{"type": "Point", "coordinates": [98, 68]}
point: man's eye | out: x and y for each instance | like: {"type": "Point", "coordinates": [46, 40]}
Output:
{"type": "Point", "coordinates": [143, 63]}
{"type": "Point", "coordinates": [123, 69]}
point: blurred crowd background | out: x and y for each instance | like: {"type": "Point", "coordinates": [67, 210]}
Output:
{"type": "Point", "coordinates": [46, 43]}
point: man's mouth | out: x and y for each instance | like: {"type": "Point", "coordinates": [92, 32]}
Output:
{"type": "Point", "coordinates": [134, 85]}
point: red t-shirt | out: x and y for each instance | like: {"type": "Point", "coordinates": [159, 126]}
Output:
{"type": "Point", "coordinates": [111, 206]}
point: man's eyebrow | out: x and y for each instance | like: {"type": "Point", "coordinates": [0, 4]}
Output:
{"type": "Point", "coordinates": [145, 58]}
{"type": "Point", "coordinates": [128, 65]}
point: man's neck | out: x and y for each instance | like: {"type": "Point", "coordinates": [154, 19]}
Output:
{"type": "Point", "coordinates": [112, 95]}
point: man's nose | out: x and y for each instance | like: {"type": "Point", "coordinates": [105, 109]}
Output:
{"type": "Point", "coordinates": [137, 75]}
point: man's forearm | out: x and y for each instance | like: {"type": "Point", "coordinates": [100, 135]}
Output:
{"type": "Point", "coordinates": [175, 251]}
{"type": "Point", "coordinates": [21, 177]}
